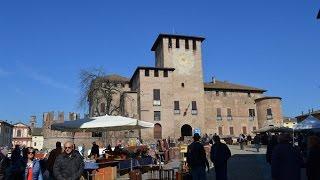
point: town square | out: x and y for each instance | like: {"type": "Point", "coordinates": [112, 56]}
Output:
{"type": "Point", "coordinates": [159, 90]}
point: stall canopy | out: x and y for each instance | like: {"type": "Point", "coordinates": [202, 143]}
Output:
{"type": "Point", "coordinates": [102, 123]}
{"type": "Point", "coordinates": [273, 129]}
{"type": "Point", "coordinates": [310, 123]}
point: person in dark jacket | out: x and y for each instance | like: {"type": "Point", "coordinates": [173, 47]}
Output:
{"type": "Point", "coordinates": [286, 160]}
{"type": "Point", "coordinates": [17, 168]}
{"type": "Point", "coordinates": [219, 155]}
{"type": "Point", "coordinates": [197, 159]}
{"type": "Point", "coordinates": [53, 156]}
{"type": "Point", "coordinates": [313, 158]}
{"type": "Point", "coordinates": [271, 144]}
{"type": "Point", "coordinates": [257, 142]}
{"type": "Point", "coordinates": [94, 150]}
{"type": "Point", "coordinates": [68, 165]}
{"type": "Point", "coordinates": [4, 163]}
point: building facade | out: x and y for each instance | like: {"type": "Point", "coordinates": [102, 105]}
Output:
{"type": "Point", "coordinates": [21, 135]}
{"type": "Point", "coordinates": [5, 134]}
{"type": "Point", "coordinates": [173, 96]}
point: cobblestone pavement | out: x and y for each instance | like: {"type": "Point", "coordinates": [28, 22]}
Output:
{"type": "Point", "coordinates": [247, 164]}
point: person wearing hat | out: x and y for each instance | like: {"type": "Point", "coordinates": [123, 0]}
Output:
{"type": "Point", "coordinates": [196, 159]}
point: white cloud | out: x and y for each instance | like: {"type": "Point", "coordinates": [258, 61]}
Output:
{"type": "Point", "coordinates": [33, 74]}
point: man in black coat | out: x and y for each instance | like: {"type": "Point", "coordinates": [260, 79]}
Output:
{"type": "Point", "coordinates": [95, 150]}
{"type": "Point", "coordinates": [197, 159]}
{"type": "Point", "coordinates": [219, 155]}
{"type": "Point", "coordinates": [69, 165]}
{"type": "Point", "coordinates": [4, 163]}
{"type": "Point", "coordinates": [286, 161]}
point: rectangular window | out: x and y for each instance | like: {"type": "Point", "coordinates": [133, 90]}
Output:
{"type": "Point", "coordinates": [229, 114]}
{"type": "Point", "coordinates": [165, 73]}
{"type": "Point", "coordinates": [157, 115]}
{"type": "Point", "coordinates": [177, 43]}
{"type": "Point", "coordinates": [156, 73]}
{"type": "Point", "coordinates": [269, 114]}
{"type": "Point", "coordinates": [194, 45]}
{"type": "Point", "coordinates": [187, 44]}
{"type": "Point", "coordinates": [220, 131]}
{"type": "Point", "coordinates": [146, 72]}
{"type": "Point", "coordinates": [252, 113]}
{"type": "Point", "coordinates": [170, 43]}
{"type": "Point", "coordinates": [194, 108]}
{"type": "Point", "coordinates": [231, 130]}
{"type": "Point", "coordinates": [219, 117]}
{"type": "Point", "coordinates": [156, 97]}
{"type": "Point", "coordinates": [244, 130]}
{"type": "Point", "coordinates": [176, 107]}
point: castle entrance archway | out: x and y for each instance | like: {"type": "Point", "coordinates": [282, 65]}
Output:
{"type": "Point", "coordinates": [186, 130]}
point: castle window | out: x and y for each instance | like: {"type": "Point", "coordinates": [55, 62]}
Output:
{"type": "Point", "coordinates": [96, 134]}
{"type": "Point", "coordinates": [252, 114]}
{"type": "Point", "coordinates": [194, 110]}
{"type": "Point", "coordinates": [249, 94]}
{"type": "Point", "coordinates": [217, 93]}
{"type": "Point", "coordinates": [177, 43]}
{"type": "Point", "coordinates": [157, 115]}
{"type": "Point", "coordinates": [194, 45]}
{"type": "Point", "coordinates": [102, 108]}
{"type": "Point", "coordinates": [231, 131]}
{"type": "Point", "coordinates": [156, 73]}
{"type": "Point", "coordinates": [220, 130]}
{"type": "Point", "coordinates": [229, 115]}
{"type": "Point", "coordinates": [186, 44]}
{"type": "Point", "coordinates": [182, 84]}
{"type": "Point", "coordinates": [219, 117]}
{"type": "Point", "coordinates": [156, 97]}
{"type": "Point", "coordinates": [269, 114]}
{"type": "Point", "coordinates": [170, 43]}
{"type": "Point", "coordinates": [176, 107]}
{"type": "Point", "coordinates": [146, 72]}
{"type": "Point", "coordinates": [165, 73]}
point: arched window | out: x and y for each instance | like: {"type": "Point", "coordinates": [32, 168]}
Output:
{"type": "Point", "coordinates": [18, 133]}
{"type": "Point", "coordinates": [102, 108]}
{"type": "Point", "coordinates": [157, 131]}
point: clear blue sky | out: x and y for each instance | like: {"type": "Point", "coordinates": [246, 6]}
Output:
{"type": "Point", "coordinates": [269, 44]}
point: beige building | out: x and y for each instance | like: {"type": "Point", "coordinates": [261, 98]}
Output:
{"type": "Point", "coordinates": [37, 138]}
{"type": "Point", "coordinates": [173, 95]}
{"type": "Point", "coordinates": [5, 134]}
{"type": "Point", "coordinates": [21, 135]}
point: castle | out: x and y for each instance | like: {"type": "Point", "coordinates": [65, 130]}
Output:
{"type": "Point", "coordinates": [174, 96]}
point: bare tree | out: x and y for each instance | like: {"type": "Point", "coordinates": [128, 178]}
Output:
{"type": "Point", "coordinates": [96, 88]}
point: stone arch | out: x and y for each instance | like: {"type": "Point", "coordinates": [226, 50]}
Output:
{"type": "Point", "coordinates": [186, 130]}
{"type": "Point", "coordinates": [157, 131]}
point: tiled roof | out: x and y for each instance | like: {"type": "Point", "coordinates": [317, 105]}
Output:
{"type": "Point", "coordinates": [223, 85]}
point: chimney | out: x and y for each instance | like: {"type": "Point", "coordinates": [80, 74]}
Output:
{"type": "Point", "coordinates": [213, 79]}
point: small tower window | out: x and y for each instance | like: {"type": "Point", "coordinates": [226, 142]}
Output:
{"type": "Point", "coordinates": [146, 72]}
{"type": "Point", "coordinates": [177, 43]}
{"type": "Point", "coordinates": [182, 84]}
{"type": "Point", "coordinates": [170, 43]}
{"type": "Point", "coordinates": [186, 44]}
{"type": "Point", "coordinates": [156, 73]}
{"type": "Point", "coordinates": [194, 45]}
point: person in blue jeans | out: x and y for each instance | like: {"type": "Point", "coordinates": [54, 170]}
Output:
{"type": "Point", "coordinates": [219, 155]}
{"type": "Point", "coordinates": [196, 159]}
